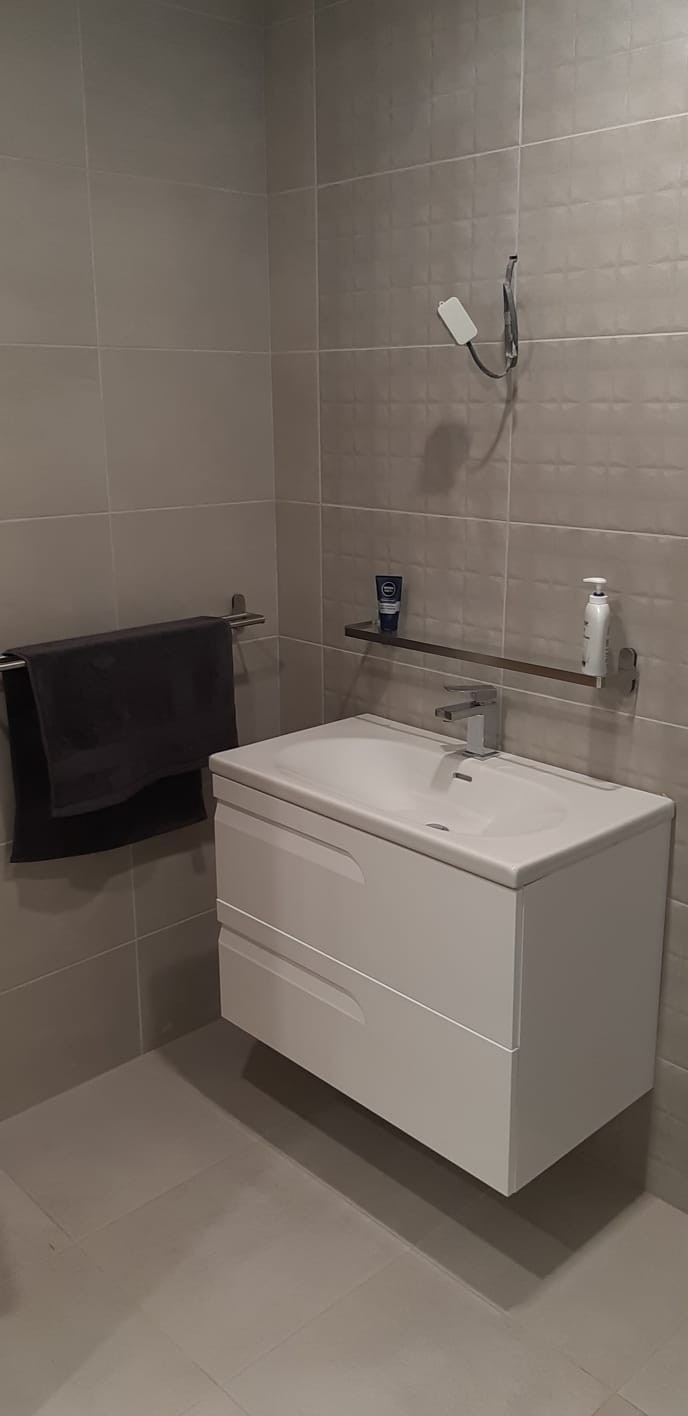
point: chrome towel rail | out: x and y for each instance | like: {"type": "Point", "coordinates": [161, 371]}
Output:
{"type": "Point", "coordinates": [240, 618]}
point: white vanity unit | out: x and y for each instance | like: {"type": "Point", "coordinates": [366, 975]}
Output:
{"type": "Point", "coordinates": [472, 949]}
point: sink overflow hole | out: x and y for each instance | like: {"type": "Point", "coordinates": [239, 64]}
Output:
{"type": "Point", "coordinates": [465, 776]}
{"type": "Point", "coordinates": [437, 826]}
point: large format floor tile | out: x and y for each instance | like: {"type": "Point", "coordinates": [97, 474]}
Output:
{"type": "Point", "coordinates": [411, 1340]}
{"type": "Point", "coordinates": [27, 1236]}
{"type": "Point", "coordinates": [94, 1153]}
{"type": "Point", "coordinates": [616, 1299]}
{"type": "Point", "coordinates": [238, 1258]}
{"type": "Point", "coordinates": [661, 1388]}
{"type": "Point", "coordinates": [69, 1346]}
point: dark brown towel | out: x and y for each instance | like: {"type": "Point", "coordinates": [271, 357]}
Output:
{"type": "Point", "coordinates": [108, 734]}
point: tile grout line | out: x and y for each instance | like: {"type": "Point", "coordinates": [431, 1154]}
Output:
{"type": "Point", "coordinates": [318, 392]}
{"type": "Point", "coordinates": [106, 466]}
{"type": "Point", "coordinates": [510, 383]}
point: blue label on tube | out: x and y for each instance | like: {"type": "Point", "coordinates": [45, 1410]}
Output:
{"type": "Point", "coordinates": [388, 601]}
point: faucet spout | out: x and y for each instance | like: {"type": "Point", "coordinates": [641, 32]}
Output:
{"type": "Point", "coordinates": [479, 707]}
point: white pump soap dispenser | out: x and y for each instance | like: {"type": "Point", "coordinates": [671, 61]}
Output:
{"type": "Point", "coordinates": [596, 629]}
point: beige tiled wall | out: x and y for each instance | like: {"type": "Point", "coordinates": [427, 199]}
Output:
{"type": "Point", "coordinates": [136, 461]}
{"type": "Point", "coordinates": [448, 133]}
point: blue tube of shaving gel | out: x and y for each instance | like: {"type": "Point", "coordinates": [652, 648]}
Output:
{"type": "Point", "coordinates": [388, 601]}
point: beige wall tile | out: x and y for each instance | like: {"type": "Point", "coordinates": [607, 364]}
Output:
{"type": "Point", "coordinates": [406, 692]}
{"type": "Point", "coordinates": [247, 12]}
{"type": "Point", "coordinates": [289, 104]}
{"type": "Point", "coordinates": [299, 570]}
{"type": "Point", "coordinates": [400, 84]}
{"type": "Point", "coordinates": [257, 688]}
{"type": "Point", "coordinates": [301, 680]}
{"type": "Point", "coordinates": [174, 876]}
{"type": "Point", "coordinates": [295, 422]}
{"type": "Point", "coordinates": [453, 572]}
{"type": "Point", "coordinates": [179, 979]}
{"type": "Point", "coordinates": [600, 434]}
{"type": "Point", "coordinates": [292, 270]}
{"type": "Point", "coordinates": [173, 94]}
{"type": "Point", "coordinates": [589, 66]}
{"type": "Point", "coordinates": [649, 594]}
{"type": "Point", "coordinates": [56, 913]}
{"type": "Point", "coordinates": [187, 428]}
{"type": "Point", "coordinates": [618, 748]}
{"type": "Point", "coordinates": [672, 1043]}
{"type": "Point", "coordinates": [41, 113]}
{"type": "Point", "coordinates": [62, 1029]}
{"type": "Point", "coordinates": [276, 10]}
{"type": "Point", "coordinates": [414, 430]}
{"type": "Point", "coordinates": [190, 561]}
{"type": "Point", "coordinates": [179, 267]}
{"type": "Point", "coordinates": [46, 284]}
{"type": "Point", "coordinates": [601, 228]}
{"type": "Point", "coordinates": [51, 433]}
{"type": "Point", "coordinates": [55, 579]}
{"type": "Point", "coordinates": [391, 246]}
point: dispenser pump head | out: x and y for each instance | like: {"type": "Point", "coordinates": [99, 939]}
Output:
{"type": "Point", "coordinates": [599, 583]}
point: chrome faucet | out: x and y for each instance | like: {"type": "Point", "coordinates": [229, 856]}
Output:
{"type": "Point", "coordinates": [479, 706]}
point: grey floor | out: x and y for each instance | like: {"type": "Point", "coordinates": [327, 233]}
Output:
{"type": "Point", "coordinates": [209, 1230]}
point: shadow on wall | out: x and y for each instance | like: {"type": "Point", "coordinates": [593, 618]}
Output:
{"type": "Point", "coordinates": [446, 451]}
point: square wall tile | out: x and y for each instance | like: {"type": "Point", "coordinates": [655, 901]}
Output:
{"type": "Point", "coordinates": [301, 685]}
{"type": "Point", "coordinates": [453, 571]}
{"type": "Point", "coordinates": [46, 282]}
{"type": "Point", "coordinates": [392, 246]}
{"type": "Point", "coordinates": [414, 430]}
{"type": "Point", "coordinates": [179, 267]}
{"type": "Point", "coordinates": [602, 232]}
{"type": "Point", "coordinates": [51, 433]}
{"type": "Point", "coordinates": [299, 570]}
{"type": "Point", "coordinates": [55, 579]}
{"type": "Point", "coordinates": [295, 426]}
{"type": "Point", "coordinates": [57, 913]}
{"type": "Point", "coordinates": [600, 432]}
{"type": "Point", "coordinates": [406, 692]}
{"type": "Point", "coordinates": [589, 66]}
{"type": "Point", "coordinates": [402, 83]}
{"type": "Point", "coordinates": [179, 979]}
{"type": "Point", "coordinates": [648, 592]}
{"type": "Point", "coordinates": [289, 104]}
{"type": "Point", "coordinates": [41, 109]}
{"type": "Point", "coordinates": [292, 270]}
{"type": "Point", "coordinates": [672, 1043]}
{"type": "Point", "coordinates": [40, 1055]}
{"type": "Point", "coordinates": [186, 428]}
{"type": "Point", "coordinates": [617, 747]}
{"type": "Point", "coordinates": [174, 876]}
{"type": "Point", "coordinates": [257, 688]}
{"type": "Point", "coordinates": [190, 561]}
{"type": "Point", "coordinates": [173, 94]}
{"type": "Point", "coordinates": [276, 10]}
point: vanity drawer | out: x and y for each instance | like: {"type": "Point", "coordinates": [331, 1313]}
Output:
{"type": "Point", "coordinates": [443, 937]}
{"type": "Point", "coordinates": [437, 1081]}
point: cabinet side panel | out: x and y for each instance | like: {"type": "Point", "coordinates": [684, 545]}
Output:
{"type": "Point", "coordinates": [592, 952]}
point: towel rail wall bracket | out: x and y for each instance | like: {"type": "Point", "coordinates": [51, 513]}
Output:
{"type": "Point", "coordinates": [240, 618]}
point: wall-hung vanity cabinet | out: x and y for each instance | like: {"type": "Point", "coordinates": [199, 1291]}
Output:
{"type": "Point", "coordinates": [471, 949]}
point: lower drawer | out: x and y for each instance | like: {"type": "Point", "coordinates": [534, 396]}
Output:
{"type": "Point", "coordinates": [447, 1086]}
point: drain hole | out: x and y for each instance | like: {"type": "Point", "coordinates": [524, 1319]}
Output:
{"type": "Point", "coordinates": [437, 826]}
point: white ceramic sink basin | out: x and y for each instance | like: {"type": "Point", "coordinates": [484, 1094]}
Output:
{"type": "Point", "coordinates": [503, 817]}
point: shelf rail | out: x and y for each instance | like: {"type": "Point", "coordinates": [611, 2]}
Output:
{"type": "Point", "coordinates": [624, 677]}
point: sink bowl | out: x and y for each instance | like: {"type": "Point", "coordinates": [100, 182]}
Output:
{"type": "Point", "coordinates": [504, 817]}
{"type": "Point", "coordinates": [434, 785]}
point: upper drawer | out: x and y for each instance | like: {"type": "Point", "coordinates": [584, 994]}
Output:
{"type": "Point", "coordinates": [443, 937]}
